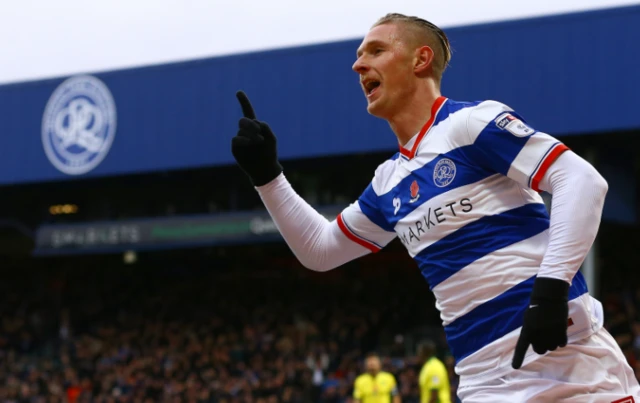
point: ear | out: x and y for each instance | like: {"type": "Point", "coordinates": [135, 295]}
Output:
{"type": "Point", "coordinates": [423, 60]}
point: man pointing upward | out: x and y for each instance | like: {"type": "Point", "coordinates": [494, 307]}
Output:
{"type": "Point", "coordinates": [462, 194]}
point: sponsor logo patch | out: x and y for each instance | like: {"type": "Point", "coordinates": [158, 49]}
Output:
{"type": "Point", "coordinates": [513, 125]}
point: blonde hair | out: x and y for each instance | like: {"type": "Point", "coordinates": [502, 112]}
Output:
{"type": "Point", "coordinates": [426, 33]}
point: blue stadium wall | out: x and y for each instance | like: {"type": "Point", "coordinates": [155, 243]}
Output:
{"type": "Point", "coordinates": [567, 74]}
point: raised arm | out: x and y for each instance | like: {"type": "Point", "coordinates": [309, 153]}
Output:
{"type": "Point", "coordinates": [319, 244]}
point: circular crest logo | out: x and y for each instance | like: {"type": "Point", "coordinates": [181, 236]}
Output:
{"type": "Point", "coordinates": [444, 172]}
{"type": "Point", "coordinates": [79, 125]}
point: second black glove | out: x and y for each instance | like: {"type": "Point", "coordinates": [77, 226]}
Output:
{"type": "Point", "coordinates": [545, 321]}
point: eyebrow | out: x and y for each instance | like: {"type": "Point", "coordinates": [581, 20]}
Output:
{"type": "Point", "coordinates": [370, 44]}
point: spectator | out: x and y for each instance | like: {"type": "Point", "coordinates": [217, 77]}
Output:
{"type": "Point", "coordinates": [218, 336]}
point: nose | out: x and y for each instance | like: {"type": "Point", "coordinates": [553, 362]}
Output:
{"type": "Point", "coordinates": [360, 66]}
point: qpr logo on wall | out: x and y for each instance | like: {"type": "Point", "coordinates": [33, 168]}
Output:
{"type": "Point", "coordinates": [444, 172]}
{"type": "Point", "coordinates": [79, 125]}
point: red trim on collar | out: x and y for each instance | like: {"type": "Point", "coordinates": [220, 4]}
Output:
{"type": "Point", "coordinates": [435, 108]}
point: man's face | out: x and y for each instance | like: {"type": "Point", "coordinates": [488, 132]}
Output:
{"type": "Point", "coordinates": [385, 66]}
{"type": "Point", "coordinates": [373, 365]}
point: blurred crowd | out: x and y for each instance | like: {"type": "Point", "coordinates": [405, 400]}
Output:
{"type": "Point", "coordinates": [203, 336]}
{"type": "Point", "coordinates": [221, 334]}
{"type": "Point", "coordinates": [622, 320]}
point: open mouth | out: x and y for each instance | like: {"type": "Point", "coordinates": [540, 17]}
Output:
{"type": "Point", "coordinates": [371, 86]}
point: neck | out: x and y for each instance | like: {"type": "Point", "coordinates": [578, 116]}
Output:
{"type": "Point", "coordinates": [415, 112]}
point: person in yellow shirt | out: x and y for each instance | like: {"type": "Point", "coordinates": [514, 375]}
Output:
{"type": "Point", "coordinates": [433, 379]}
{"type": "Point", "coordinates": [375, 385]}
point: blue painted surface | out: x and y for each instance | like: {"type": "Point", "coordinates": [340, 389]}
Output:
{"type": "Point", "coordinates": [568, 74]}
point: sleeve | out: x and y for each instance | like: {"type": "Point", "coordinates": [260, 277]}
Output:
{"type": "Point", "coordinates": [394, 386]}
{"type": "Point", "coordinates": [435, 381]}
{"type": "Point", "coordinates": [503, 142]}
{"type": "Point", "coordinates": [363, 222]}
{"type": "Point", "coordinates": [357, 390]}
{"type": "Point", "coordinates": [320, 244]}
{"type": "Point", "coordinates": [579, 193]}
{"type": "Point", "coordinates": [436, 377]}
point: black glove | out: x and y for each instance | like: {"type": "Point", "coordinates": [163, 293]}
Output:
{"type": "Point", "coordinates": [254, 147]}
{"type": "Point", "coordinates": [546, 320]}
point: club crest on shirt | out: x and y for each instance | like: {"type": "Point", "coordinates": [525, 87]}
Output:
{"type": "Point", "coordinates": [444, 172]}
{"type": "Point", "coordinates": [415, 192]}
{"type": "Point", "coordinates": [513, 125]}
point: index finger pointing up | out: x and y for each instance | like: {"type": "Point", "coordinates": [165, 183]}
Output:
{"type": "Point", "coordinates": [247, 109]}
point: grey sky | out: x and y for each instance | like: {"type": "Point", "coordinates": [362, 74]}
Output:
{"type": "Point", "coordinates": [44, 39]}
